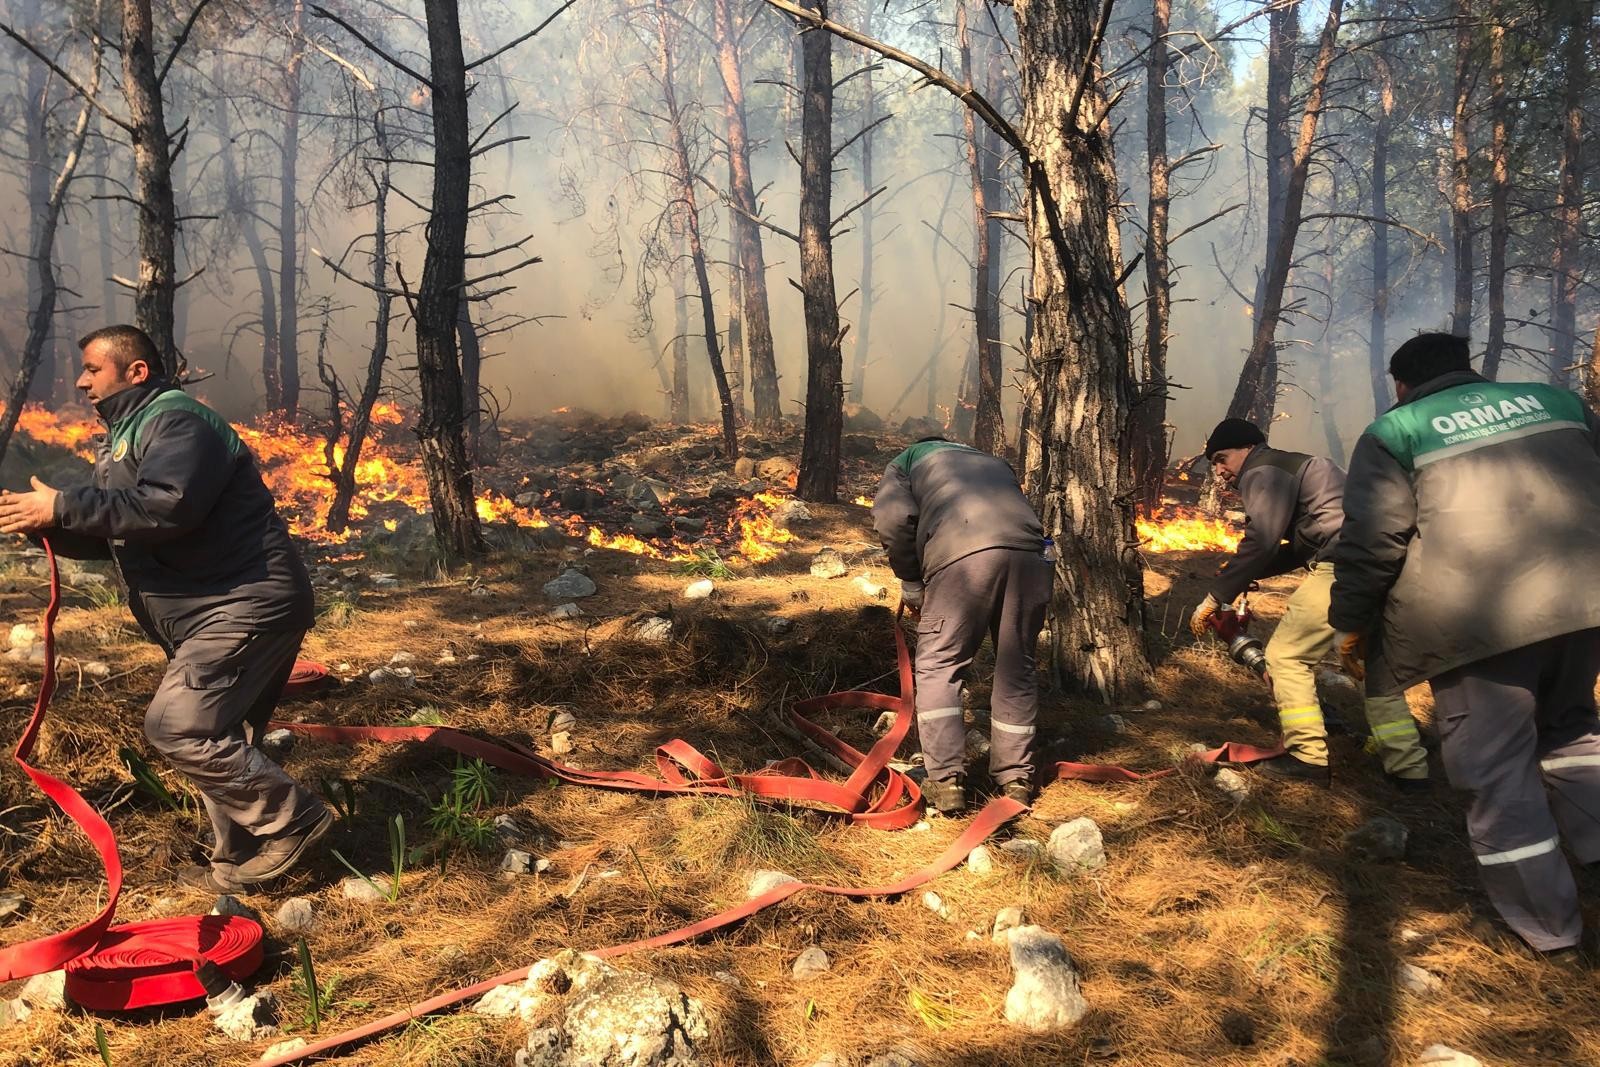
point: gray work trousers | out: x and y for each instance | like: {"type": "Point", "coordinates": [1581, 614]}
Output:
{"type": "Point", "coordinates": [1002, 592]}
{"type": "Point", "coordinates": [213, 703]}
{"type": "Point", "coordinates": [1512, 727]}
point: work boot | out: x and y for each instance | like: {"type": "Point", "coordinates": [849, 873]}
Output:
{"type": "Point", "coordinates": [1290, 768]}
{"type": "Point", "coordinates": [1020, 790]}
{"type": "Point", "coordinates": [208, 879]}
{"type": "Point", "coordinates": [1412, 786]}
{"type": "Point", "coordinates": [278, 854]}
{"type": "Point", "coordinates": [947, 795]}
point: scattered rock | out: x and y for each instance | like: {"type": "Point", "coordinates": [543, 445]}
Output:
{"type": "Point", "coordinates": [12, 905]}
{"type": "Point", "coordinates": [563, 720]}
{"type": "Point", "coordinates": [765, 881]}
{"type": "Point", "coordinates": [227, 904]}
{"type": "Point", "coordinates": [699, 590]}
{"type": "Point", "coordinates": [744, 468]}
{"type": "Point", "coordinates": [1445, 1056]}
{"type": "Point", "coordinates": [1232, 783]}
{"type": "Point", "coordinates": [385, 581]}
{"type": "Point", "coordinates": [631, 1020]}
{"type": "Point", "coordinates": [1152, 705]}
{"type": "Point", "coordinates": [895, 1057]}
{"type": "Point", "coordinates": [779, 470]}
{"type": "Point", "coordinates": [827, 563]}
{"type": "Point", "coordinates": [249, 1019]}
{"type": "Point", "coordinates": [650, 528]}
{"type": "Point", "coordinates": [277, 744]}
{"type": "Point", "coordinates": [857, 417]}
{"type": "Point", "coordinates": [501, 1001]}
{"type": "Point", "coordinates": [1025, 849]}
{"type": "Point", "coordinates": [655, 629]}
{"type": "Point", "coordinates": [871, 589]}
{"type": "Point", "coordinates": [777, 625]}
{"type": "Point", "coordinates": [1076, 846]}
{"type": "Point", "coordinates": [402, 677]}
{"type": "Point", "coordinates": [13, 1012]}
{"type": "Point", "coordinates": [374, 889]}
{"type": "Point", "coordinates": [810, 963]}
{"type": "Point", "coordinates": [283, 1048]}
{"type": "Point", "coordinates": [447, 658]}
{"type": "Point", "coordinates": [1044, 997]}
{"type": "Point", "coordinates": [790, 513]}
{"type": "Point", "coordinates": [402, 659]}
{"type": "Point", "coordinates": [566, 611]}
{"type": "Point", "coordinates": [561, 743]}
{"type": "Point", "coordinates": [1378, 840]}
{"type": "Point", "coordinates": [885, 723]}
{"type": "Point", "coordinates": [727, 978]}
{"type": "Point", "coordinates": [1414, 979]}
{"type": "Point", "coordinates": [507, 829]}
{"type": "Point", "coordinates": [1238, 1028]}
{"type": "Point", "coordinates": [980, 861]}
{"type": "Point", "coordinates": [1114, 724]}
{"type": "Point", "coordinates": [45, 992]}
{"type": "Point", "coordinates": [23, 636]}
{"type": "Point", "coordinates": [296, 915]}
{"type": "Point", "coordinates": [571, 585]}
{"type": "Point", "coordinates": [97, 670]}
{"type": "Point", "coordinates": [1005, 921]}
{"type": "Point", "coordinates": [935, 903]}
{"type": "Point", "coordinates": [517, 861]}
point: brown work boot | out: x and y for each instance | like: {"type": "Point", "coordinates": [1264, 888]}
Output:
{"type": "Point", "coordinates": [278, 854]}
{"type": "Point", "coordinates": [208, 879]}
{"type": "Point", "coordinates": [1020, 790]}
{"type": "Point", "coordinates": [948, 796]}
{"type": "Point", "coordinates": [1288, 767]}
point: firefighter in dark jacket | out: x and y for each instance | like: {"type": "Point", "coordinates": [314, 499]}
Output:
{"type": "Point", "coordinates": [968, 550]}
{"type": "Point", "coordinates": [1293, 505]}
{"type": "Point", "coordinates": [1469, 559]}
{"type": "Point", "coordinates": [212, 576]}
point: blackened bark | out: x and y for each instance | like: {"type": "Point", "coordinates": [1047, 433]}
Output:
{"type": "Point", "coordinates": [680, 329]}
{"type": "Point", "coordinates": [471, 375]}
{"type": "Point", "coordinates": [1150, 407]}
{"type": "Point", "coordinates": [36, 139]}
{"type": "Point", "coordinates": [988, 429]}
{"type": "Point", "coordinates": [1460, 183]}
{"type": "Point", "coordinates": [869, 116]}
{"type": "Point", "coordinates": [152, 170]}
{"type": "Point", "coordinates": [1377, 345]}
{"type": "Point", "coordinates": [819, 451]}
{"type": "Point", "coordinates": [1566, 270]}
{"type": "Point", "coordinates": [288, 223]}
{"type": "Point", "coordinates": [1499, 193]}
{"type": "Point", "coordinates": [108, 236]}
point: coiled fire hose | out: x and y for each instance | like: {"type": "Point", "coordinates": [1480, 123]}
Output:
{"type": "Point", "coordinates": [175, 960]}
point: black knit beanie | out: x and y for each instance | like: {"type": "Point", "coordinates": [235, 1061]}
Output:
{"type": "Point", "coordinates": [1234, 433]}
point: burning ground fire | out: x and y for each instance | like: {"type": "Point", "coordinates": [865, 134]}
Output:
{"type": "Point", "coordinates": [294, 465]}
{"type": "Point", "coordinates": [1185, 530]}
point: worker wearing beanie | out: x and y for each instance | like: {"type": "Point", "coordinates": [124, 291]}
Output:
{"type": "Point", "coordinates": [1294, 506]}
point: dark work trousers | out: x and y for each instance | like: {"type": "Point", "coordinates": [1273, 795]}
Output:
{"type": "Point", "coordinates": [213, 704]}
{"type": "Point", "coordinates": [1001, 592]}
{"type": "Point", "coordinates": [1512, 727]}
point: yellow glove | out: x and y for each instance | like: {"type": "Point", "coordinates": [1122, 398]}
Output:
{"type": "Point", "coordinates": [1198, 622]}
{"type": "Point", "coordinates": [1352, 653]}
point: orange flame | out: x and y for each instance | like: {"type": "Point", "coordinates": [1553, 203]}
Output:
{"type": "Point", "coordinates": [61, 430]}
{"type": "Point", "coordinates": [862, 501]}
{"type": "Point", "coordinates": [758, 533]}
{"type": "Point", "coordinates": [1185, 530]}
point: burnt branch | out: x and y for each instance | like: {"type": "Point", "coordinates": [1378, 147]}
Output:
{"type": "Point", "coordinates": [503, 49]}
{"type": "Point", "coordinates": [323, 13]}
{"type": "Point", "coordinates": [181, 40]}
{"type": "Point", "coordinates": [92, 97]}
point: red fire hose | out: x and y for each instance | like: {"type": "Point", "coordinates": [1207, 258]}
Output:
{"type": "Point", "coordinates": [135, 965]}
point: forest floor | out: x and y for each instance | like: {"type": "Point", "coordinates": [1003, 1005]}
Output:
{"type": "Point", "coordinates": [1219, 931]}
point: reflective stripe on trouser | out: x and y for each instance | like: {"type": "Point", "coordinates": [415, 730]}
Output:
{"type": "Point", "coordinates": [205, 718]}
{"type": "Point", "coordinates": [1300, 642]}
{"type": "Point", "coordinates": [1001, 592]}
{"type": "Point", "coordinates": [1509, 726]}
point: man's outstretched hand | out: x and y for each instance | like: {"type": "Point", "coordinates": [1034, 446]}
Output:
{"type": "Point", "coordinates": [25, 513]}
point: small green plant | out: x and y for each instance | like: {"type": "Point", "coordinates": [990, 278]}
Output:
{"type": "Point", "coordinates": [1268, 827]}
{"type": "Point", "coordinates": [456, 817]}
{"type": "Point", "coordinates": [397, 860]}
{"type": "Point", "coordinates": [104, 594]}
{"type": "Point", "coordinates": [706, 563]}
{"type": "Point", "coordinates": [318, 998]}
{"type": "Point", "coordinates": [648, 884]}
{"type": "Point", "coordinates": [473, 783]}
{"type": "Point", "coordinates": [102, 1045]}
{"type": "Point", "coordinates": [341, 793]}
{"type": "Point", "coordinates": [427, 715]}
{"type": "Point", "coordinates": [338, 610]}
{"type": "Point", "coordinates": [149, 783]}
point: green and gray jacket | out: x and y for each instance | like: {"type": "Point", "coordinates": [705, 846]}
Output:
{"type": "Point", "coordinates": [178, 504]}
{"type": "Point", "coordinates": [1472, 527]}
{"type": "Point", "coordinates": [940, 501]}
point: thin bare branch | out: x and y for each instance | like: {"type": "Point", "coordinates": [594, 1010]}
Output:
{"type": "Point", "coordinates": [323, 13]}
{"type": "Point", "coordinates": [182, 39]}
{"type": "Point", "coordinates": [92, 98]}
{"type": "Point", "coordinates": [503, 49]}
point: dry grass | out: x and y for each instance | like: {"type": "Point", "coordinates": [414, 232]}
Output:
{"type": "Point", "coordinates": [1208, 913]}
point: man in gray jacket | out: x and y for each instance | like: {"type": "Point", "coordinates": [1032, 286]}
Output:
{"type": "Point", "coordinates": [968, 550]}
{"type": "Point", "coordinates": [1469, 559]}
{"type": "Point", "coordinates": [212, 577]}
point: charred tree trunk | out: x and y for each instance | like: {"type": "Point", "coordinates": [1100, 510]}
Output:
{"type": "Point", "coordinates": [1460, 184]}
{"type": "Point", "coordinates": [681, 412]}
{"type": "Point", "coordinates": [152, 170]}
{"type": "Point", "coordinates": [1566, 270]}
{"type": "Point", "coordinates": [869, 118]}
{"type": "Point", "coordinates": [1150, 407]}
{"type": "Point", "coordinates": [344, 486]}
{"type": "Point", "coordinates": [36, 138]}
{"type": "Point", "coordinates": [1283, 40]}
{"type": "Point", "coordinates": [108, 235]}
{"type": "Point", "coordinates": [41, 256]}
{"type": "Point", "coordinates": [1073, 447]}
{"type": "Point", "coordinates": [689, 205]}
{"type": "Point", "coordinates": [288, 223]}
{"type": "Point", "coordinates": [1326, 399]}
{"type": "Point", "coordinates": [1257, 393]}
{"type": "Point", "coordinates": [241, 206]}
{"type": "Point", "coordinates": [819, 451]}
{"type": "Point", "coordinates": [1591, 384]}
{"type": "Point", "coordinates": [752, 262]}
{"type": "Point", "coordinates": [1499, 194]}
{"type": "Point", "coordinates": [439, 430]}
{"type": "Point", "coordinates": [1377, 344]}
{"type": "Point", "coordinates": [471, 375]}
{"type": "Point", "coordinates": [988, 430]}
{"type": "Point", "coordinates": [735, 360]}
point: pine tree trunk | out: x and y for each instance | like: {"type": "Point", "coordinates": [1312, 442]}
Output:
{"type": "Point", "coordinates": [242, 208]}
{"type": "Point", "coordinates": [752, 261]}
{"type": "Point", "coordinates": [152, 170]}
{"type": "Point", "coordinates": [36, 139]}
{"type": "Point", "coordinates": [439, 429]}
{"type": "Point", "coordinates": [869, 115]}
{"type": "Point", "coordinates": [109, 304]}
{"type": "Point", "coordinates": [1150, 407]}
{"type": "Point", "coordinates": [1256, 396]}
{"type": "Point", "coordinates": [819, 451]}
{"type": "Point", "coordinates": [1566, 267]}
{"type": "Point", "coordinates": [1499, 194]}
{"type": "Point", "coordinates": [471, 373]}
{"type": "Point", "coordinates": [1460, 184]}
{"type": "Point", "coordinates": [680, 329]}
{"type": "Point", "coordinates": [1326, 397]}
{"type": "Point", "coordinates": [1377, 345]}
{"type": "Point", "coordinates": [1074, 446]}
{"type": "Point", "coordinates": [288, 223]}
{"type": "Point", "coordinates": [735, 358]}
